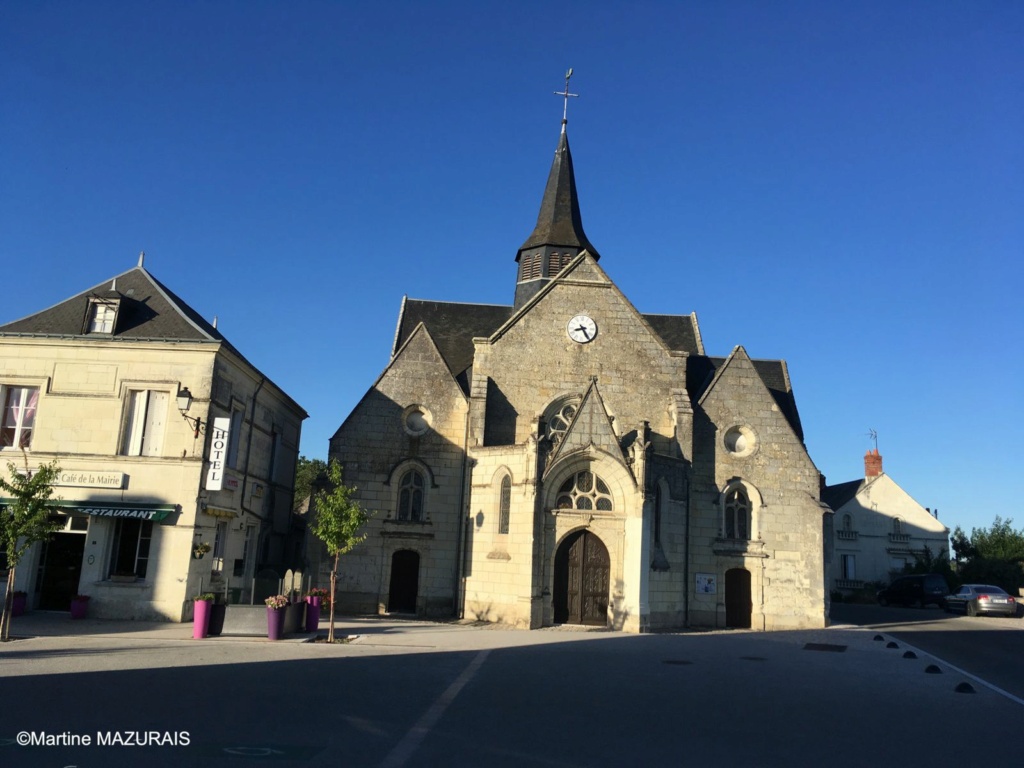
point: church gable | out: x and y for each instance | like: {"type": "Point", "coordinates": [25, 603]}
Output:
{"type": "Point", "coordinates": [751, 433]}
{"type": "Point", "coordinates": [534, 358]}
{"type": "Point", "coordinates": [416, 380]}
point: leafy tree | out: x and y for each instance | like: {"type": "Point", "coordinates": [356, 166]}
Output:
{"type": "Point", "coordinates": [962, 549]}
{"type": "Point", "coordinates": [23, 522]}
{"type": "Point", "coordinates": [337, 524]}
{"type": "Point", "coordinates": [992, 555]}
{"type": "Point", "coordinates": [309, 474]}
{"type": "Point", "coordinates": [1000, 542]}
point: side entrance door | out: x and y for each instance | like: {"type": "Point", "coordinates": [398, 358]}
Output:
{"type": "Point", "coordinates": [582, 573]}
{"type": "Point", "coordinates": [737, 598]}
{"type": "Point", "coordinates": [405, 578]}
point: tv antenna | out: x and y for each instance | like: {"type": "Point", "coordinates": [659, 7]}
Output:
{"type": "Point", "coordinates": [873, 435]}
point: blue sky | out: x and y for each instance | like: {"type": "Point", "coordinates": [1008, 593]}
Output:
{"type": "Point", "coordinates": [837, 184]}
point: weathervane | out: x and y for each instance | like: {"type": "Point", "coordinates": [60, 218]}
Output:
{"type": "Point", "coordinates": [565, 95]}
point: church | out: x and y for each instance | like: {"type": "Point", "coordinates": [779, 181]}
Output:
{"type": "Point", "coordinates": [568, 459]}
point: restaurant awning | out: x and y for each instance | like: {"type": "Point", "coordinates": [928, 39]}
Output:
{"type": "Point", "coordinates": [158, 513]}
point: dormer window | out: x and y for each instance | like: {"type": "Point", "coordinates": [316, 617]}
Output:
{"type": "Point", "coordinates": [102, 316]}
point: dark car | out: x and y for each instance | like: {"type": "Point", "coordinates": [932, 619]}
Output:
{"type": "Point", "coordinates": [918, 590]}
{"type": "Point", "coordinates": [973, 599]}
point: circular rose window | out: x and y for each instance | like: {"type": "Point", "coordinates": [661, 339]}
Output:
{"type": "Point", "coordinates": [416, 420]}
{"type": "Point", "coordinates": [740, 441]}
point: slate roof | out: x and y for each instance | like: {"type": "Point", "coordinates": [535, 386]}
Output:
{"type": "Point", "coordinates": [559, 222]}
{"type": "Point", "coordinates": [700, 370]}
{"type": "Point", "coordinates": [452, 326]}
{"type": "Point", "coordinates": [148, 310]}
{"type": "Point", "coordinates": [679, 332]}
{"type": "Point", "coordinates": [836, 496]}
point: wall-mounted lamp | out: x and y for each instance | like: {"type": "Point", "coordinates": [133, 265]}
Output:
{"type": "Point", "coordinates": [184, 403]}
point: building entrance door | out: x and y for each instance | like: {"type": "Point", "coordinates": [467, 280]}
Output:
{"type": "Point", "coordinates": [405, 578]}
{"type": "Point", "coordinates": [60, 567]}
{"type": "Point", "coordinates": [737, 598]}
{"type": "Point", "coordinates": [582, 571]}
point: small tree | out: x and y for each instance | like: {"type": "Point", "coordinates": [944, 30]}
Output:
{"type": "Point", "coordinates": [309, 475]}
{"type": "Point", "coordinates": [337, 523]}
{"type": "Point", "coordinates": [23, 522]}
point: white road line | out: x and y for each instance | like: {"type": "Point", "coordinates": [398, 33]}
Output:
{"type": "Point", "coordinates": [400, 755]}
{"type": "Point", "coordinates": [975, 678]}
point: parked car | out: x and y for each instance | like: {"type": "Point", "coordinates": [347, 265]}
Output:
{"type": "Point", "coordinates": [974, 599]}
{"type": "Point", "coordinates": [918, 590]}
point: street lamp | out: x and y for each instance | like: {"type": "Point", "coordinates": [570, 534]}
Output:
{"type": "Point", "coordinates": [184, 403]}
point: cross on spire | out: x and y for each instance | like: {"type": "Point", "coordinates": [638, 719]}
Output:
{"type": "Point", "coordinates": [565, 95]}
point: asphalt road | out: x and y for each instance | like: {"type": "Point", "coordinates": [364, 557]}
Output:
{"type": "Point", "coordinates": [411, 694]}
{"type": "Point", "coordinates": [989, 647]}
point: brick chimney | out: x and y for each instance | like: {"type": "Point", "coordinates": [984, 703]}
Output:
{"type": "Point", "coordinates": [872, 463]}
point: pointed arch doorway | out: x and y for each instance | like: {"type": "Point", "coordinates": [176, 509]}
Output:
{"type": "Point", "coordinates": [582, 571]}
{"type": "Point", "coordinates": [738, 607]}
{"type": "Point", "coordinates": [405, 578]}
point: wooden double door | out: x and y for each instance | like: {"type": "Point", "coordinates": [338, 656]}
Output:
{"type": "Point", "coordinates": [582, 572]}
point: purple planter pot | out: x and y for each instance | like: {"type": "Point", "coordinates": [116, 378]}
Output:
{"type": "Point", "coordinates": [79, 608]}
{"type": "Point", "coordinates": [201, 618]}
{"type": "Point", "coordinates": [312, 613]}
{"type": "Point", "coordinates": [275, 622]}
{"type": "Point", "coordinates": [18, 603]}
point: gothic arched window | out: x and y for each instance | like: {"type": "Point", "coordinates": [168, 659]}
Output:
{"type": "Point", "coordinates": [504, 504]}
{"type": "Point", "coordinates": [559, 418]}
{"type": "Point", "coordinates": [737, 513]}
{"type": "Point", "coordinates": [410, 496]}
{"type": "Point", "coordinates": [584, 490]}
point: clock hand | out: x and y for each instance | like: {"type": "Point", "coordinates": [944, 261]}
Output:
{"type": "Point", "coordinates": [583, 330]}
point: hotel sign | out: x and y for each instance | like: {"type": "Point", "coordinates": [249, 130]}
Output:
{"type": "Point", "coordinates": [89, 478]}
{"type": "Point", "coordinates": [218, 453]}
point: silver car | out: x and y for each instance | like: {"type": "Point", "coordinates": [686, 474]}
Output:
{"type": "Point", "coordinates": [974, 599]}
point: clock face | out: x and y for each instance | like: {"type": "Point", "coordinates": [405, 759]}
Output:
{"type": "Point", "coordinates": [581, 329]}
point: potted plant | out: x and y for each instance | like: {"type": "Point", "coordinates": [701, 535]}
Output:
{"type": "Point", "coordinates": [19, 600]}
{"type": "Point", "coordinates": [79, 606]}
{"type": "Point", "coordinates": [200, 549]}
{"type": "Point", "coordinates": [201, 615]}
{"type": "Point", "coordinates": [218, 612]}
{"type": "Point", "coordinates": [276, 606]}
{"type": "Point", "coordinates": [317, 598]}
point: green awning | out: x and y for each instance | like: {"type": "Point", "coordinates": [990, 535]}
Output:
{"type": "Point", "coordinates": [134, 510]}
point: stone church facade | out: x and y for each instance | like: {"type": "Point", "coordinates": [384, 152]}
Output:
{"type": "Point", "coordinates": [570, 460]}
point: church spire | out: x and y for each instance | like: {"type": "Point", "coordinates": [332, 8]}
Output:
{"type": "Point", "coordinates": [558, 235]}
